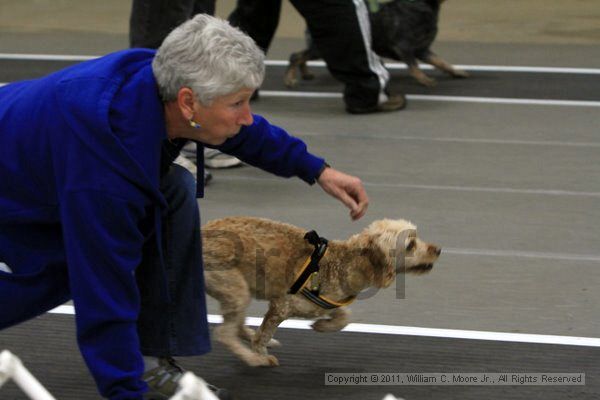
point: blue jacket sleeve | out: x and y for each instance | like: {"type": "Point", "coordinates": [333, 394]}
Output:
{"type": "Point", "coordinates": [103, 248]}
{"type": "Point", "coordinates": [271, 148]}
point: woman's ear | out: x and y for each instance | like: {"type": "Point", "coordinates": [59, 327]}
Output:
{"type": "Point", "coordinates": [185, 101]}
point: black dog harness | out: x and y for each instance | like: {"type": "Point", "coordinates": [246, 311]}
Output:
{"type": "Point", "coordinates": [310, 270]}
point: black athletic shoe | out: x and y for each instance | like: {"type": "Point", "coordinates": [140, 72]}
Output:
{"type": "Point", "coordinates": [393, 103]}
{"type": "Point", "coordinates": [163, 382]}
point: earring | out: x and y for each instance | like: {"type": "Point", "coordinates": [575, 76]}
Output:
{"type": "Point", "coordinates": [194, 124]}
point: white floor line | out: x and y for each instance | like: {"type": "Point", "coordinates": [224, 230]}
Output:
{"type": "Point", "coordinates": [321, 64]}
{"type": "Point", "coordinates": [419, 97]}
{"type": "Point", "coordinates": [459, 99]}
{"type": "Point", "coordinates": [468, 67]}
{"type": "Point", "coordinates": [504, 190]}
{"type": "Point", "coordinates": [522, 254]}
{"type": "Point", "coordinates": [413, 331]}
{"type": "Point", "coordinates": [45, 57]}
{"type": "Point", "coordinates": [501, 100]}
{"type": "Point", "coordinates": [545, 192]}
{"type": "Point", "coordinates": [450, 139]}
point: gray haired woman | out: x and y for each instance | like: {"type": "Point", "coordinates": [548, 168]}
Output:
{"type": "Point", "coordinates": [104, 217]}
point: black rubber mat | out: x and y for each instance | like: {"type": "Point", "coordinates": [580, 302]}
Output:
{"type": "Point", "coordinates": [48, 349]}
{"type": "Point", "coordinates": [522, 85]}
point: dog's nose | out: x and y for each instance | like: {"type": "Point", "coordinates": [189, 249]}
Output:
{"type": "Point", "coordinates": [434, 250]}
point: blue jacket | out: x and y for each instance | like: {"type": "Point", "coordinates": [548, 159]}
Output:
{"type": "Point", "coordinates": [80, 156]}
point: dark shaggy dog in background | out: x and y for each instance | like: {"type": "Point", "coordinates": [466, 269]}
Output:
{"type": "Point", "coordinates": [402, 30]}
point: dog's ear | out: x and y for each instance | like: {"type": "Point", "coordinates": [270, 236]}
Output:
{"type": "Point", "coordinates": [381, 263]}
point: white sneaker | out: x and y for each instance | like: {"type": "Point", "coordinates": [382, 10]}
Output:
{"type": "Point", "coordinates": [187, 164]}
{"type": "Point", "coordinates": [215, 159]}
{"type": "Point", "coordinates": [190, 166]}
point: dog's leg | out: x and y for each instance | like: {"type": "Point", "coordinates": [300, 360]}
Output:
{"type": "Point", "coordinates": [233, 294]}
{"type": "Point", "coordinates": [413, 67]}
{"type": "Point", "coordinates": [271, 321]}
{"type": "Point", "coordinates": [290, 78]}
{"type": "Point", "coordinates": [297, 61]}
{"type": "Point", "coordinates": [310, 54]}
{"type": "Point", "coordinates": [338, 321]}
{"type": "Point", "coordinates": [435, 60]}
{"type": "Point", "coordinates": [420, 76]}
{"type": "Point", "coordinates": [247, 333]}
{"type": "Point", "coordinates": [227, 334]}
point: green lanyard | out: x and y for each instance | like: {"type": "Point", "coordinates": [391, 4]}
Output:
{"type": "Point", "coordinates": [374, 4]}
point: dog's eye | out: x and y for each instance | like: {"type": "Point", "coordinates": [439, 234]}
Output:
{"type": "Point", "coordinates": [411, 245]}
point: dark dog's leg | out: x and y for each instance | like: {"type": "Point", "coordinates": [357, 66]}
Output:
{"type": "Point", "coordinates": [297, 60]}
{"type": "Point", "coordinates": [418, 74]}
{"type": "Point", "coordinates": [433, 59]}
{"type": "Point", "coordinates": [312, 54]}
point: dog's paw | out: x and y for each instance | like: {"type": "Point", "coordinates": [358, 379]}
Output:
{"type": "Point", "coordinates": [290, 83]}
{"type": "Point", "coordinates": [326, 325]}
{"type": "Point", "coordinates": [274, 343]}
{"type": "Point", "coordinates": [427, 81]}
{"type": "Point", "coordinates": [308, 76]}
{"type": "Point", "coordinates": [459, 73]}
{"type": "Point", "coordinates": [289, 79]}
{"type": "Point", "coordinates": [272, 361]}
{"type": "Point", "coordinates": [260, 360]}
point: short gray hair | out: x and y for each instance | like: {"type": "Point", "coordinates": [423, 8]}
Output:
{"type": "Point", "coordinates": [210, 57]}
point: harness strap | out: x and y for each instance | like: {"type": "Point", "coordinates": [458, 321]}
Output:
{"type": "Point", "coordinates": [312, 264]}
{"type": "Point", "coordinates": [324, 302]}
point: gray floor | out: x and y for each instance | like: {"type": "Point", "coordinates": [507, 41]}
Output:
{"type": "Point", "coordinates": [511, 192]}
{"type": "Point", "coordinates": [307, 356]}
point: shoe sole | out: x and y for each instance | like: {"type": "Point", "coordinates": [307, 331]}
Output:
{"type": "Point", "coordinates": [222, 164]}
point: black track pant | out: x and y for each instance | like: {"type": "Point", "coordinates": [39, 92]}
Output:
{"type": "Point", "coordinates": [341, 32]}
{"type": "Point", "coordinates": [152, 20]}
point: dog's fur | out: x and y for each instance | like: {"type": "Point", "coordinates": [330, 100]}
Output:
{"type": "Point", "coordinates": [251, 257]}
{"type": "Point", "coordinates": [402, 30]}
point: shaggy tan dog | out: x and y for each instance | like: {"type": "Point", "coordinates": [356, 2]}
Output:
{"type": "Point", "coordinates": [252, 257]}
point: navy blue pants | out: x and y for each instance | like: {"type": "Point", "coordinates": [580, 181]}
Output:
{"type": "Point", "coordinates": [178, 327]}
{"type": "Point", "coordinates": [167, 327]}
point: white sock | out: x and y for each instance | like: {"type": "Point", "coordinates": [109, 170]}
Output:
{"type": "Point", "coordinates": [150, 363]}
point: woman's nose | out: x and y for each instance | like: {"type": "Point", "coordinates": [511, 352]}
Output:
{"type": "Point", "coordinates": [246, 117]}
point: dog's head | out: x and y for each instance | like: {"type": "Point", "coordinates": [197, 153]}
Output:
{"type": "Point", "coordinates": [394, 244]}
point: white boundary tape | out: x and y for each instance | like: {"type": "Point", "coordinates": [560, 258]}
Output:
{"type": "Point", "coordinates": [451, 139]}
{"type": "Point", "coordinates": [414, 331]}
{"type": "Point", "coordinates": [419, 97]}
{"type": "Point", "coordinates": [503, 190]}
{"type": "Point", "coordinates": [11, 367]}
{"type": "Point", "coordinates": [321, 64]}
{"type": "Point", "coordinates": [457, 99]}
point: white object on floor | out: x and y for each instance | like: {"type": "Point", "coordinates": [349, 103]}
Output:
{"type": "Point", "coordinates": [193, 388]}
{"type": "Point", "coordinates": [5, 268]}
{"type": "Point", "coordinates": [187, 164]}
{"type": "Point", "coordinates": [215, 159]}
{"type": "Point", "coordinates": [11, 367]}
{"type": "Point", "coordinates": [392, 397]}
